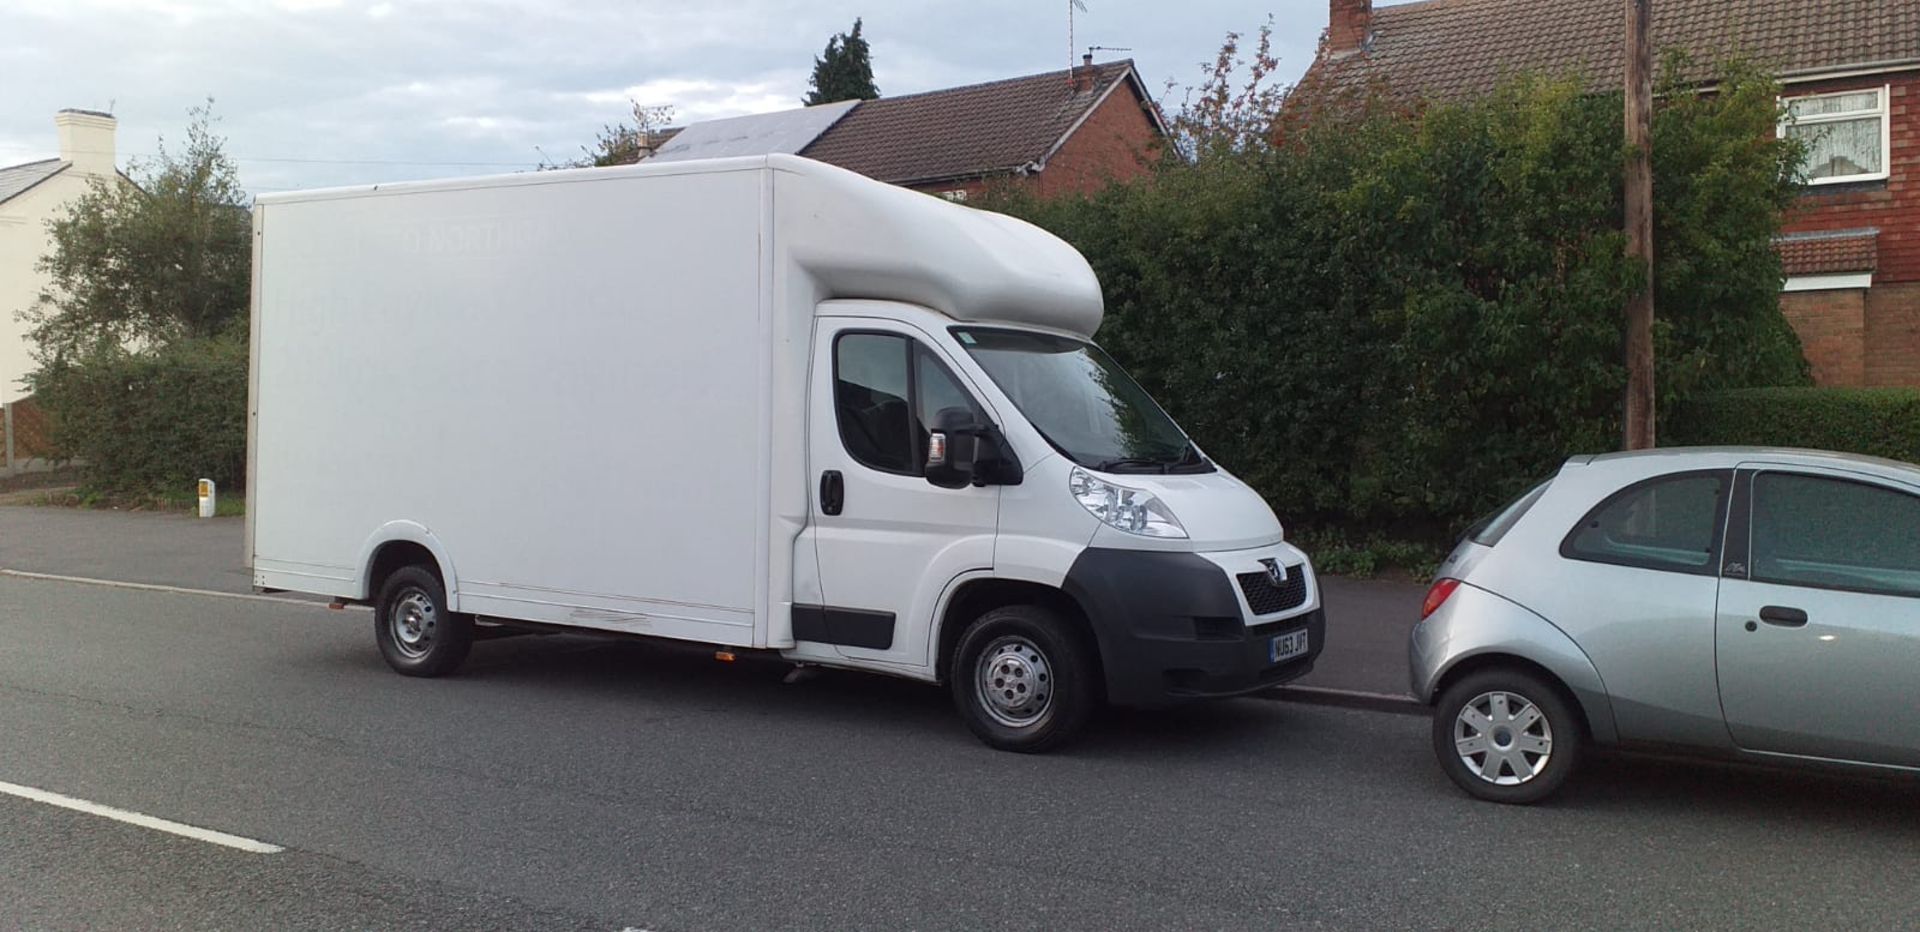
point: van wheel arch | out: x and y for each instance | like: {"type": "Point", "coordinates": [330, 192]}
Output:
{"type": "Point", "coordinates": [396, 555]}
{"type": "Point", "coordinates": [980, 596]}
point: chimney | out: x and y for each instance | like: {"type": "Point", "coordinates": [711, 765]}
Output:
{"type": "Point", "coordinates": [1349, 26]}
{"type": "Point", "coordinates": [86, 140]}
{"type": "Point", "coordinates": [1082, 79]}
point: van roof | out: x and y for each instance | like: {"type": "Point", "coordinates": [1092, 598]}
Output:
{"type": "Point", "coordinates": [857, 238]}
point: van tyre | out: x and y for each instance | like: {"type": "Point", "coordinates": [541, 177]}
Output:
{"type": "Point", "coordinates": [417, 634]}
{"type": "Point", "coordinates": [1507, 736]}
{"type": "Point", "coordinates": [1023, 679]}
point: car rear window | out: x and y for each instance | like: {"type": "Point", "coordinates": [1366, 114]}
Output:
{"type": "Point", "coordinates": [1669, 523]}
{"type": "Point", "coordinates": [1488, 530]}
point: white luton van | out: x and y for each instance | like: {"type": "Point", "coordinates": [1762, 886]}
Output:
{"type": "Point", "coordinates": [759, 403]}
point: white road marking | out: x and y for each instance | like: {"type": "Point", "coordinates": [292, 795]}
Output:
{"type": "Point", "coordinates": [144, 821]}
{"type": "Point", "coordinates": [156, 587]}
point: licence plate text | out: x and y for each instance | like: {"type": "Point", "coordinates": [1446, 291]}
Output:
{"type": "Point", "coordinates": [1287, 646]}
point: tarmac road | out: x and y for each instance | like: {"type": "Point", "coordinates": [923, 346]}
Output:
{"type": "Point", "coordinates": [563, 782]}
{"type": "Point", "coordinates": [1367, 620]}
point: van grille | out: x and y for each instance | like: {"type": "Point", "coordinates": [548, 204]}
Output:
{"type": "Point", "coordinates": [1265, 598]}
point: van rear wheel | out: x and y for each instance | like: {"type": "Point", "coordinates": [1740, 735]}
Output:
{"type": "Point", "coordinates": [1023, 679]}
{"type": "Point", "coordinates": [418, 636]}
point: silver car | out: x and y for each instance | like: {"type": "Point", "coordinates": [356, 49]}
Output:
{"type": "Point", "coordinates": [1756, 603]}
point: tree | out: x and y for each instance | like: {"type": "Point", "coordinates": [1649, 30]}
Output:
{"type": "Point", "coordinates": [1227, 113]}
{"type": "Point", "coordinates": [843, 72]}
{"type": "Point", "coordinates": [141, 333]}
{"type": "Point", "coordinates": [619, 143]}
{"type": "Point", "coordinates": [167, 257]}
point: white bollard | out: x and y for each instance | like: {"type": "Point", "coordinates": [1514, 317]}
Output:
{"type": "Point", "coordinates": [206, 498]}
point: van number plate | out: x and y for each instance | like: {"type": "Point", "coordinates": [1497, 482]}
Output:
{"type": "Point", "coordinates": [1287, 646]}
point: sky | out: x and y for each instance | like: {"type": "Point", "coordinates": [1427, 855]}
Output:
{"type": "Point", "coordinates": [315, 93]}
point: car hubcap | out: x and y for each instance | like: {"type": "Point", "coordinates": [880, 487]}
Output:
{"type": "Point", "coordinates": [1014, 682]}
{"type": "Point", "coordinates": [1503, 738]}
{"type": "Point", "coordinates": [412, 620]}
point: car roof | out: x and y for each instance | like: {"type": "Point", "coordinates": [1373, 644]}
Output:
{"type": "Point", "coordinates": [1727, 457]}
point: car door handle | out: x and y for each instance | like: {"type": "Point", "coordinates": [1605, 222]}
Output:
{"type": "Point", "coordinates": [1783, 616]}
{"type": "Point", "coordinates": [833, 492]}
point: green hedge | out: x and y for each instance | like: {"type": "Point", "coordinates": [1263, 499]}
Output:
{"type": "Point", "coordinates": [146, 422]}
{"type": "Point", "coordinates": [1391, 323]}
{"type": "Point", "coordinates": [1875, 421]}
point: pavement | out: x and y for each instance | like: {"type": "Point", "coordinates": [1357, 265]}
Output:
{"type": "Point", "coordinates": [1367, 620]}
{"type": "Point", "coordinates": [564, 782]}
{"type": "Point", "coordinates": [126, 546]}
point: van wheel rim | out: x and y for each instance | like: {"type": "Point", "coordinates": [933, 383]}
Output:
{"type": "Point", "coordinates": [412, 620]}
{"type": "Point", "coordinates": [1014, 682]}
{"type": "Point", "coordinates": [1503, 738]}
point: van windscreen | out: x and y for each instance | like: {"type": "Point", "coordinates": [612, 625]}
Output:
{"type": "Point", "coordinates": [1082, 402]}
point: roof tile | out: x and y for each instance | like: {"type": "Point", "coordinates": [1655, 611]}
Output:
{"type": "Point", "coordinates": [1450, 49]}
{"type": "Point", "coordinates": [19, 178]}
{"type": "Point", "coordinates": [962, 132]}
{"type": "Point", "coordinates": [1829, 253]}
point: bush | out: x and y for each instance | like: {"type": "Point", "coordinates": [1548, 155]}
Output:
{"type": "Point", "coordinates": [155, 420]}
{"type": "Point", "coordinates": [1392, 322]}
{"type": "Point", "coordinates": [1874, 421]}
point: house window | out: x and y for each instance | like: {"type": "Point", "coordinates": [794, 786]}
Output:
{"type": "Point", "coordinates": [1845, 134]}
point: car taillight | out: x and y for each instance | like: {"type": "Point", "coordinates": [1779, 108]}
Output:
{"type": "Point", "coordinates": [1437, 596]}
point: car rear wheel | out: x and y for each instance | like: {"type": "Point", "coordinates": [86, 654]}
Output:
{"type": "Point", "coordinates": [1023, 679]}
{"type": "Point", "coordinates": [1506, 736]}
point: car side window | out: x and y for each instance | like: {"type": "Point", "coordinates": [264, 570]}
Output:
{"type": "Point", "coordinates": [871, 385]}
{"type": "Point", "coordinates": [1671, 523]}
{"type": "Point", "coordinates": [1834, 534]}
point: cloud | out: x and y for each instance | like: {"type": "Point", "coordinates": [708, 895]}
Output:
{"type": "Point", "coordinates": [695, 99]}
{"type": "Point", "coordinates": [372, 90]}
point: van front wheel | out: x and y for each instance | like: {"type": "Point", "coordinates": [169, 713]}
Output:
{"type": "Point", "coordinates": [1023, 679]}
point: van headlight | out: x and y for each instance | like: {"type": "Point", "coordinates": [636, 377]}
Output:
{"type": "Point", "coordinates": [1130, 510]}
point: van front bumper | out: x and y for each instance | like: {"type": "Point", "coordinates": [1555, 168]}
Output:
{"type": "Point", "coordinates": [1176, 627]}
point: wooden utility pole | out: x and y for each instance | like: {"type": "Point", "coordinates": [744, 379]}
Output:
{"type": "Point", "coordinates": [1639, 403]}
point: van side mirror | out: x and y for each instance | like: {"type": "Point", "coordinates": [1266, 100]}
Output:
{"type": "Point", "coordinates": [953, 447]}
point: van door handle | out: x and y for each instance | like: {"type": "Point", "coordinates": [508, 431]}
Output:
{"type": "Point", "coordinates": [833, 492]}
{"type": "Point", "coordinates": [1783, 616]}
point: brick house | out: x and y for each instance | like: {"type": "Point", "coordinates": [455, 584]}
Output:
{"type": "Point", "coordinates": [1851, 72]}
{"type": "Point", "coordinates": [1062, 132]}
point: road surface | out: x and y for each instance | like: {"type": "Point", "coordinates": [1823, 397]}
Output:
{"type": "Point", "coordinates": [1367, 620]}
{"type": "Point", "coordinates": [573, 783]}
